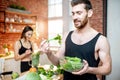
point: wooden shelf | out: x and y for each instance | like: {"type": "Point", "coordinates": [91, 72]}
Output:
{"type": "Point", "coordinates": [14, 32]}
{"type": "Point", "coordinates": [20, 23]}
{"type": "Point", "coordinates": [18, 13]}
{"type": "Point", "coordinates": [26, 18]}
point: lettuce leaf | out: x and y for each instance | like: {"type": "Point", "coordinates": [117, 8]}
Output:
{"type": "Point", "coordinates": [71, 64]}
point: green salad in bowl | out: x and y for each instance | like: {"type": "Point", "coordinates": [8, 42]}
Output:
{"type": "Point", "coordinates": [71, 64]}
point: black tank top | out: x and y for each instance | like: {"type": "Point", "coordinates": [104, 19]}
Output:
{"type": "Point", "coordinates": [23, 49]}
{"type": "Point", "coordinates": [85, 51]}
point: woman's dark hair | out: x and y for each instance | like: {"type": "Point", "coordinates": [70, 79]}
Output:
{"type": "Point", "coordinates": [86, 2]}
{"type": "Point", "coordinates": [26, 29]}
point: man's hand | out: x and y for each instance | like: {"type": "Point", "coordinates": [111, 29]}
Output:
{"type": "Point", "coordinates": [44, 46]}
{"type": "Point", "coordinates": [84, 70]}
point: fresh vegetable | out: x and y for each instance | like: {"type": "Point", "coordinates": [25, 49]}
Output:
{"type": "Point", "coordinates": [14, 75]}
{"type": "Point", "coordinates": [59, 70]}
{"type": "Point", "coordinates": [33, 76]}
{"type": "Point", "coordinates": [48, 73]}
{"type": "Point", "coordinates": [71, 64]}
{"type": "Point", "coordinates": [58, 38]}
{"type": "Point", "coordinates": [35, 59]}
{"type": "Point", "coordinates": [33, 69]}
{"type": "Point", "coordinates": [41, 71]}
{"type": "Point", "coordinates": [17, 7]}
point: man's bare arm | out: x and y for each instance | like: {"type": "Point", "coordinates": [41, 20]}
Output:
{"type": "Point", "coordinates": [55, 57]}
{"type": "Point", "coordinates": [104, 55]}
{"type": "Point", "coordinates": [105, 58]}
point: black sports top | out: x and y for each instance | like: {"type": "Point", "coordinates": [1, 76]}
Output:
{"type": "Point", "coordinates": [23, 49]}
{"type": "Point", "coordinates": [85, 51]}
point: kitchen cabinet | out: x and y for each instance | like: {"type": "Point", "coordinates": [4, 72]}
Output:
{"type": "Point", "coordinates": [14, 21]}
{"type": "Point", "coordinates": [9, 64]}
{"type": "Point", "coordinates": [12, 65]}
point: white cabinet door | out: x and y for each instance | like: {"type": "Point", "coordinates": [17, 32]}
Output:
{"type": "Point", "coordinates": [1, 64]}
{"type": "Point", "coordinates": [12, 65]}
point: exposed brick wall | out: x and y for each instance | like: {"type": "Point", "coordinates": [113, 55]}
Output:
{"type": "Point", "coordinates": [37, 7]}
{"type": "Point", "coordinates": [97, 18]}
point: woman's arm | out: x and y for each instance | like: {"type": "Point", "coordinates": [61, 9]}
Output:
{"type": "Point", "coordinates": [16, 52]}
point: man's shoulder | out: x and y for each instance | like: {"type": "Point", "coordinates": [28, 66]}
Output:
{"type": "Point", "coordinates": [102, 39]}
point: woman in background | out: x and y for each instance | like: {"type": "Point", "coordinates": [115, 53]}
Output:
{"type": "Point", "coordinates": [23, 49]}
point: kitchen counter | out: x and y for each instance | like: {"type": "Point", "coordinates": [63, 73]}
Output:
{"type": "Point", "coordinates": [8, 63]}
{"type": "Point", "coordinates": [43, 77]}
{"type": "Point", "coordinates": [11, 56]}
{"type": "Point", "coordinates": [56, 77]}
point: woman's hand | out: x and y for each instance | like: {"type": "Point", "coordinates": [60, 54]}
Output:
{"type": "Point", "coordinates": [84, 70]}
{"type": "Point", "coordinates": [27, 52]}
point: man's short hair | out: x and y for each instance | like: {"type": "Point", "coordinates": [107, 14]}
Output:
{"type": "Point", "coordinates": [87, 3]}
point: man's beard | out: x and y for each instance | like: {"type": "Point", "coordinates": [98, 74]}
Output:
{"type": "Point", "coordinates": [82, 23]}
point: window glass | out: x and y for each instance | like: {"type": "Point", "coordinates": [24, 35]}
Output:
{"type": "Point", "coordinates": [51, 2]}
{"type": "Point", "coordinates": [58, 1]}
{"type": "Point", "coordinates": [55, 8]}
{"type": "Point", "coordinates": [51, 11]}
{"type": "Point", "coordinates": [55, 27]}
{"type": "Point", "coordinates": [58, 10]}
{"type": "Point", "coordinates": [54, 2]}
{"type": "Point", "coordinates": [56, 19]}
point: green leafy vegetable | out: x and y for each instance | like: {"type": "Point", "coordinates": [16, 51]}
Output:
{"type": "Point", "coordinates": [35, 59]}
{"type": "Point", "coordinates": [41, 71]}
{"type": "Point", "coordinates": [49, 72]}
{"type": "Point", "coordinates": [17, 7]}
{"type": "Point", "coordinates": [33, 76]}
{"type": "Point", "coordinates": [71, 64]}
{"type": "Point", "coordinates": [57, 38]}
{"type": "Point", "coordinates": [59, 70]}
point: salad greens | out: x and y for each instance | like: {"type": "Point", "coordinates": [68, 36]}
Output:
{"type": "Point", "coordinates": [58, 38]}
{"type": "Point", "coordinates": [35, 59]}
{"type": "Point", "coordinates": [71, 64]}
{"type": "Point", "coordinates": [50, 72]}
